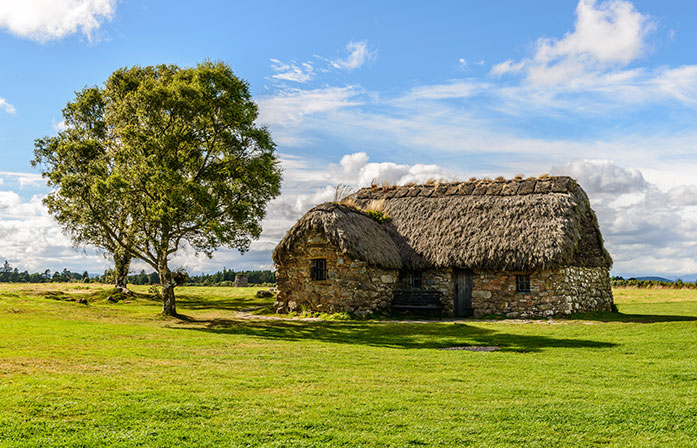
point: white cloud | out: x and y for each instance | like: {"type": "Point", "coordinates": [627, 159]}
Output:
{"type": "Point", "coordinates": [359, 54]}
{"type": "Point", "coordinates": [646, 229]}
{"type": "Point", "coordinates": [683, 195]}
{"type": "Point", "coordinates": [507, 66]}
{"type": "Point", "coordinates": [606, 35]}
{"type": "Point", "coordinates": [59, 126]}
{"type": "Point", "coordinates": [452, 90]}
{"type": "Point", "coordinates": [24, 179]}
{"type": "Point", "coordinates": [292, 72]}
{"type": "Point", "coordinates": [355, 170]}
{"type": "Point", "coordinates": [291, 105]}
{"type": "Point", "coordinates": [587, 69]}
{"type": "Point", "coordinates": [307, 184]}
{"type": "Point", "coordinates": [7, 107]}
{"type": "Point", "coordinates": [30, 239]}
{"type": "Point", "coordinates": [603, 176]}
{"type": "Point", "coordinates": [44, 20]}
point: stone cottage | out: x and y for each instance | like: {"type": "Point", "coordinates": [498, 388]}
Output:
{"type": "Point", "coordinates": [515, 248]}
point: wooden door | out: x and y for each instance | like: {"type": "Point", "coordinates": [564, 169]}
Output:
{"type": "Point", "coordinates": [462, 303]}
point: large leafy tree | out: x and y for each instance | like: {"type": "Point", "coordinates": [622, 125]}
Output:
{"type": "Point", "coordinates": [74, 162]}
{"type": "Point", "coordinates": [183, 163]}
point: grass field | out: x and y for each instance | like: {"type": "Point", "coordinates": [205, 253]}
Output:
{"type": "Point", "coordinates": [117, 374]}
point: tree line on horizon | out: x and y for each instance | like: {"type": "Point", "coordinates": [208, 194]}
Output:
{"type": "Point", "coordinates": [621, 282]}
{"type": "Point", "coordinates": [226, 277]}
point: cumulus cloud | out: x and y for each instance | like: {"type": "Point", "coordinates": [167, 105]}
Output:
{"type": "Point", "coordinates": [683, 195]}
{"type": "Point", "coordinates": [603, 176]}
{"type": "Point", "coordinates": [354, 169]}
{"type": "Point", "coordinates": [646, 229]}
{"type": "Point", "coordinates": [307, 185]}
{"type": "Point", "coordinates": [44, 20]}
{"type": "Point", "coordinates": [358, 54]}
{"type": "Point", "coordinates": [594, 60]}
{"type": "Point", "coordinates": [606, 35]}
{"type": "Point", "coordinates": [30, 239]}
{"type": "Point", "coordinates": [300, 73]}
{"type": "Point", "coordinates": [7, 107]}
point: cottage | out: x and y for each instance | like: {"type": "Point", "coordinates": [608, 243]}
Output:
{"type": "Point", "coordinates": [519, 248]}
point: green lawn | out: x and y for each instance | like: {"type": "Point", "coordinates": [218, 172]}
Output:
{"type": "Point", "coordinates": [107, 374]}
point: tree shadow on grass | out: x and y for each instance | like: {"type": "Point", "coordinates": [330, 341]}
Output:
{"type": "Point", "coordinates": [187, 302]}
{"type": "Point", "coordinates": [393, 335]}
{"type": "Point", "coordinates": [606, 316]}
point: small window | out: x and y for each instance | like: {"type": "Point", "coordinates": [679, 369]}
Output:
{"type": "Point", "coordinates": [415, 279]}
{"type": "Point", "coordinates": [318, 269]}
{"type": "Point", "coordinates": [522, 283]}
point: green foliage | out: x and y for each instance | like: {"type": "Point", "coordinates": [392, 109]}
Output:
{"type": "Point", "coordinates": [619, 282]}
{"type": "Point", "coordinates": [8, 274]}
{"type": "Point", "coordinates": [160, 156]}
{"type": "Point", "coordinates": [74, 163]}
{"type": "Point", "coordinates": [377, 215]}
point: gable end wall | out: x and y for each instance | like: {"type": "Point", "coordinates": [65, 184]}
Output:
{"type": "Point", "coordinates": [352, 286]}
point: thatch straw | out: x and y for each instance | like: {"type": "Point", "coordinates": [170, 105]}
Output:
{"type": "Point", "coordinates": [353, 232]}
{"type": "Point", "coordinates": [515, 225]}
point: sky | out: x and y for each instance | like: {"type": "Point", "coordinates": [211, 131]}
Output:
{"type": "Point", "coordinates": [399, 91]}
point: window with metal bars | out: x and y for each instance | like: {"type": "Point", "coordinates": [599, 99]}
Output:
{"type": "Point", "coordinates": [415, 279]}
{"type": "Point", "coordinates": [318, 269]}
{"type": "Point", "coordinates": [522, 283]}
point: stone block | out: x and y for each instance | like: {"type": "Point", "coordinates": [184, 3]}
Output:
{"type": "Point", "coordinates": [387, 278]}
{"type": "Point", "coordinates": [481, 294]}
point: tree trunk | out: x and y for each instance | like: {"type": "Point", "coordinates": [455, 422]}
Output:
{"type": "Point", "coordinates": [122, 264]}
{"type": "Point", "coordinates": [169, 306]}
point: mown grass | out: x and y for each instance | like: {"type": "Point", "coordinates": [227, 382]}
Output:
{"type": "Point", "coordinates": [117, 374]}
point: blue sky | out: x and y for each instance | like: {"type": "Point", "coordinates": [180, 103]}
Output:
{"type": "Point", "coordinates": [399, 91]}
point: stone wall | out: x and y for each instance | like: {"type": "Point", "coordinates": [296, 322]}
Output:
{"type": "Point", "coordinates": [441, 280]}
{"type": "Point", "coordinates": [563, 291]}
{"type": "Point", "coordinates": [352, 286]}
{"type": "Point", "coordinates": [433, 279]}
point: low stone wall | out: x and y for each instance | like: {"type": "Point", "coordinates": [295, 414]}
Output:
{"type": "Point", "coordinates": [563, 291]}
{"type": "Point", "coordinates": [352, 286]}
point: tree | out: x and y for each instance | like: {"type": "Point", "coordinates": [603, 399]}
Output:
{"type": "Point", "coordinates": [74, 162]}
{"type": "Point", "coordinates": [183, 162]}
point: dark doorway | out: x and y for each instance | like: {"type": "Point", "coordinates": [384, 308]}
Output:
{"type": "Point", "coordinates": [462, 303]}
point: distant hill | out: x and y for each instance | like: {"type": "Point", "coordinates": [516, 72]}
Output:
{"type": "Point", "coordinates": [655, 279]}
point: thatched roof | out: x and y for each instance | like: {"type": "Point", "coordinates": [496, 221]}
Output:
{"type": "Point", "coordinates": [507, 225]}
{"type": "Point", "coordinates": [353, 231]}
